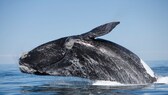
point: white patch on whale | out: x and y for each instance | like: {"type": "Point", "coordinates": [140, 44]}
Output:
{"type": "Point", "coordinates": [26, 69]}
{"type": "Point", "coordinates": [24, 55]}
{"type": "Point", "coordinates": [70, 42]}
{"type": "Point", "coordinates": [109, 53]}
{"type": "Point", "coordinates": [86, 44]}
{"type": "Point", "coordinates": [148, 69]}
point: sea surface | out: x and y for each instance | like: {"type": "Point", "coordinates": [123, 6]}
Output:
{"type": "Point", "coordinates": [13, 82]}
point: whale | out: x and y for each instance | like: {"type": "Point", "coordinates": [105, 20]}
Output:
{"type": "Point", "coordinates": [87, 56]}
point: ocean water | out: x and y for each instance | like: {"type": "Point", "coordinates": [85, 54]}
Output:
{"type": "Point", "coordinates": [13, 82]}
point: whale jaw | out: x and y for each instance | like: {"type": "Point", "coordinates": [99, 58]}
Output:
{"type": "Point", "coordinates": [26, 69]}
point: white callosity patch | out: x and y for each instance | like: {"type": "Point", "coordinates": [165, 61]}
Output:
{"type": "Point", "coordinates": [24, 55]}
{"type": "Point", "coordinates": [148, 69]}
{"type": "Point", "coordinates": [27, 69]}
{"type": "Point", "coordinates": [70, 42]}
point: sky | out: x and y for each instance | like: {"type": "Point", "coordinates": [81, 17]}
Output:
{"type": "Point", "coordinates": [25, 24]}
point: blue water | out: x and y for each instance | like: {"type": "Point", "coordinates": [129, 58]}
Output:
{"type": "Point", "coordinates": [13, 82]}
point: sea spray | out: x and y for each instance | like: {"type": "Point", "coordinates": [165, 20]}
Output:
{"type": "Point", "coordinates": [162, 80]}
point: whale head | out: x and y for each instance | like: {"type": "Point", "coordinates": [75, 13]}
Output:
{"type": "Point", "coordinates": [37, 60]}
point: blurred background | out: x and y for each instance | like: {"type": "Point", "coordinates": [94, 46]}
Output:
{"type": "Point", "coordinates": [25, 24]}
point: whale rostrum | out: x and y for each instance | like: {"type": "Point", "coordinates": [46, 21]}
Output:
{"type": "Point", "coordinates": [88, 57]}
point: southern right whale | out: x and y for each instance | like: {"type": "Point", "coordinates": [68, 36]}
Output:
{"type": "Point", "coordinates": [88, 57]}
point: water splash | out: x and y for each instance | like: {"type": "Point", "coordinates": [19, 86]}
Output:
{"type": "Point", "coordinates": [114, 84]}
{"type": "Point", "coordinates": [162, 80]}
{"type": "Point", "coordinates": [107, 83]}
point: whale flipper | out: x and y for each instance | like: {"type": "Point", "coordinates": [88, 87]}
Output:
{"type": "Point", "coordinates": [100, 30]}
{"type": "Point", "coordinates": [96, 32]}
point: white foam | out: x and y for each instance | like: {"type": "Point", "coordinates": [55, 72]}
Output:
{"type": "Point", "coordinates": [163, 80]}
{"type": "Point", "coordinates": [160, 80]}
{"type": "Point", "coordinates": [113, 83]}
{"type": "Point", "coordinates": [107, 83]}
{"type": "Point", "coordinates": [148, 69]}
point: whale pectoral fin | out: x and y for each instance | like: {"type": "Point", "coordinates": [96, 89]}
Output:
{"type": "Point", "coordinates": [100, 30]}
{"type": "Point", "coordinates": [63, 63]}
